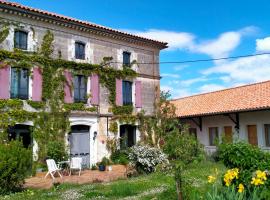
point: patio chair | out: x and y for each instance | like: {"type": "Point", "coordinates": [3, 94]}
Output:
{"type": "Point", "coordinates": [76, 164]}
{"type": "Point", "coordinates": [52, 168]}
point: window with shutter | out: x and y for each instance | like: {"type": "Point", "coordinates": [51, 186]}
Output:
{"type": "Point", "coordinates": [20, 40]}
{"type": "Point", "coordinates": [80, 87]}
{"type": "Point", "coordinates": [126, 58]}
{"type": "Point", "coordinates": [127, 92]}
{"type": "Point", "coordinates": [213, 135]}
{"type": "Point", "coordinates": [79, 50]}
{"type": "Point", "coordinates": [267, 134]}
{"type": "Point", "coordinates": [19, 83]}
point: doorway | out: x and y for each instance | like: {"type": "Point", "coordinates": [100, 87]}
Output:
{"type": "Point", "coordinates": [127, 135]}
{"type": "Point", "coordinates": [79, 140]}
{"type": "Point", "coordinates": [21, 132]}
{"type": "Point", "coordinates": [252, 135]}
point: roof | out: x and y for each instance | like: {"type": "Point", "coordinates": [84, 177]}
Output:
{"type": "Point", "coordinates": [20, 7]}
{"type": "Point", "coordinates": [244, 98]}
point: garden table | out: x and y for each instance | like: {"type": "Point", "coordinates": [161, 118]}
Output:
{"type": "Point", "coordinates": [64, 166]}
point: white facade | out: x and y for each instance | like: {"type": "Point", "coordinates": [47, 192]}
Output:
{"type": "Point", "coordinates": [258, 118]}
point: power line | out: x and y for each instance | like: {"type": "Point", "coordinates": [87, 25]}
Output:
{"type": "Point", "coordinates": [199, 60]}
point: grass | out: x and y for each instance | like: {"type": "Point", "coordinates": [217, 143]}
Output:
{"type": "Point", "coordinates": [153, 186]}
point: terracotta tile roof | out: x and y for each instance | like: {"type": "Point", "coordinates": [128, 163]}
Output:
{"type": "Point", "coordinates": [244, 98]}
{"type": "Point", "coordinates": [160, 44]}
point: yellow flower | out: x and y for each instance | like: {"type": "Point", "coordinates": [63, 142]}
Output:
{"type": "Point", "coordinates": [241, 188]}
{"type": "Point", "coordinates": [211, 179]}
{"type": "Point", "coordinates": [230, 175]}
{"type": "Point", "coordinates": [261, 175]}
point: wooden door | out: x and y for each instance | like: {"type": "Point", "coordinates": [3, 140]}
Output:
{"type": "Point", "coordinates": [252, 135]}
{"type": "Point", "coordinates": [228, 134]}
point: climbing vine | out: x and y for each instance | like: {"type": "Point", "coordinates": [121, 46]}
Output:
{"type": "Point", "coordinates": [51, 121]}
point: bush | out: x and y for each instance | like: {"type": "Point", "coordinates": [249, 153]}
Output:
{"type": "Point", "coordinates": [243, 156]}
{"type": "Point", "coordinates": [15, 164]}
{"type": "Point", "coordinates": [57, 151]}
{"type": "Point", "coordinates": [146, 158]}
{"type": "Point", "coordinates": [120, 157]}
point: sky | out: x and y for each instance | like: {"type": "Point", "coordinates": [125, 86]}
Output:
{"type": "Point", "coordinates": [194, 30]}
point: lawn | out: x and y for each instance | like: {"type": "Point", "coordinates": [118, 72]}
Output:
{"type": "Point", "coordinates": [153, 186]}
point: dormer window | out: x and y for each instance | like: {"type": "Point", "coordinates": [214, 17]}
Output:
{"type": "Point", "coordinates": [20, 40]}
{"type": "Point", "coordinates": [80, 50]}
{"type": "Point", "coordinates": [126, 58]}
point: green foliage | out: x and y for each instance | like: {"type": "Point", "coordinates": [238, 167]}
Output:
{"type": "Point", "coordinates": [243, 156]}
{"type": "Point", "coordinates": [113, 127]}
{"type": "Point", "coordinates": [57, 151]}
{"type": "Point", "coordinates": [15, 162]}
{"type": "Point", "coordinates": [105, 161]}
{"type": "Point", "coordinates": [36, 104]}
{"type": "Point", "coordinates": [47, 44]}
{"type": "Point", "coordinates": [122, 110]}
{"type": "Point", "coordinates": [4, 31]}
{"type": "Point", "coordinates": [78, 107]}
{"type": "Point", "coordinates": [120, 157]}
{"type": "Point", "coordinates": [11, 104]}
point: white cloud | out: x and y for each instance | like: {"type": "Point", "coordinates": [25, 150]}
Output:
{"type": "Point", "coordinates": [168, 75]}
{"type": "Point", "coordinates": [243, 70]}
{"type": "Point", "coordinates": [180, 67]}
{"type": "Point", "coordinates": [189, 82]}
{"type": "Point", "coordinates": [263, 44]}
{"type": "Point", "coordinates": [210, 88]}
{"type": "Point", "coordinates": [176, 40]}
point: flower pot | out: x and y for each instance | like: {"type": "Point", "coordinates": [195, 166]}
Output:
{"type": "Point", "coordinates": [109, 168]}
{"type": "Point", "coordinates": [102, 167]}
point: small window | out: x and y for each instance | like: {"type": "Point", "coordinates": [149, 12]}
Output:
{"type": "Point", "coordinates": [20, 40]}
{"type": "Point", "coordinates": [267, 134]}
{"type": "Point", "coordinates": [80, 85]}
{"type": "Point", "coordinates": [127, 93]}
{"type": "Point", "coordinates": [193, 132]}
{"type": "Point", "coordinates": [79, 50]}
{"type": "Point", "coordinates": [19, 83]}
{"type": "Point", "coordinates": [126, 58]}
{"type": "Point", "coordinates": [213, 135]}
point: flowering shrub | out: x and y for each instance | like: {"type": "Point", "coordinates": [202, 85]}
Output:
{"type": "Point", "coordinates": [146, 158]}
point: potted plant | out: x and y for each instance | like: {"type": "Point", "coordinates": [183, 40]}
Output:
{"type": "Point", "coordinates": [102, 165]}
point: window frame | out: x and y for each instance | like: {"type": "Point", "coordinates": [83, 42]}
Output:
{"type": "Point", "coordinates": [126, 64]}
{"type": "Point", "coordinates": [80, 99]}
{"type": "Point", "coordinates": [212, 143]}
{"type": "Point", "coordinates": [19, 88]}
{"type": "Point", "coordinates": [193, 132]}
{"type": "Point", "coordinates": [127, 97]}
{"type": "Point", "coordinates": [78, 55]}
{"type": "Point", "coordinates": [19, 46]}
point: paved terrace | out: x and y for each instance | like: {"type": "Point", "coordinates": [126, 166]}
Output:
{"type": "Point", "coordinates": [87, 176]}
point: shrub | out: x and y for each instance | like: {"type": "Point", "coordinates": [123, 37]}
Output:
{"type": "Point", "coordinates": [146, 158]}
{"type": "Point", "coordinates": [15, 164]}
{"type": "Point", "coordinates": [57, 151]}
{"type": "Point", "coordinates": [120, 157]}
{"type": "Point", "coordinates": [243, 156]}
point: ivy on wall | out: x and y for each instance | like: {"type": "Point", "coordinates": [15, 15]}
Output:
{"type": "Point", "coordinates": [51, 121]}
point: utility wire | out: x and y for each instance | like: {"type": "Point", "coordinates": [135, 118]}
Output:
{"type": "Point", "coordinates": [199, 60]}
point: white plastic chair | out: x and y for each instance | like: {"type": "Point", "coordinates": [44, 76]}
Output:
{"type": "Point", "coordinates": [76, 164]}
{"type": "Point", "coordinates": [52, 168]}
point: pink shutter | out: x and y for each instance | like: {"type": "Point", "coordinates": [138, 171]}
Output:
{"type": "Point", "coordinates": [37, 84]}
{"type": "Point", "coordinates": [4, 82]}
{"type": "Point", "coordinates": [118, 100]}
{"type": "Point", "coordinates": [68, 87]}
{"type": "Point", "coordinates": [94, 89]}
{"type": "Point", "coordinates": [138, 94]}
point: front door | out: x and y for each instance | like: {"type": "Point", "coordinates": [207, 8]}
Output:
{"type": "Point", "coordinates": [127, 135]}
{"type": "Point", "coordinates": [79, 140]}
{"type": "Point", "coordinates": [252, 135]}
{"type": "Point", "coordinates": [228, 134]}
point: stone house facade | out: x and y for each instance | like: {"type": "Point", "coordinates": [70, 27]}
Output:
{"type": "Point", "coordinates": [83, 42]}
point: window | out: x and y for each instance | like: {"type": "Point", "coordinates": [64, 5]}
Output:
{"type": "Point", "coordinates": [267, 134]}
{"type": "Point", "coordinates": [213, 135]}
{"type": "Point", "coordinates": [126, 58]}
{"type": "Point", "coordinates": [193, 132]}
{"type": "Point", "coordinates": [79, 50]}
{"type": "Point", "coordinates": [127, 93]}
{"type": "Point", "coordinates": [80, 85]}
{"type": "Point", "coordinates": [20, 40]}
{"type": "Point", "coordinates": [19, 83]}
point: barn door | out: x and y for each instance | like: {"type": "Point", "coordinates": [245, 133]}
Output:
{"type": "Point", "coordinates": [252, 135]}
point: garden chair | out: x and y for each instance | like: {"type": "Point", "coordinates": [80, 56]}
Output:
{"type": "Point", "coordinates": [76, 164]}
{"type": "Point", "coordinates": [52, 168]}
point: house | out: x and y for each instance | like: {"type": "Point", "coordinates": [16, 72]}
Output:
{"type": "Point", "coordinates": [235, 113]}
{"type": "Point", "coordinates": [77, 41]}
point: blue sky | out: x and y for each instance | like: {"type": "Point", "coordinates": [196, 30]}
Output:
{"type": "Point", "coordinates": [195, 30]}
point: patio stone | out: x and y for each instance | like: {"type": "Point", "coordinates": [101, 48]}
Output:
{"type": "Point", "coordinates": [87, 176]}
